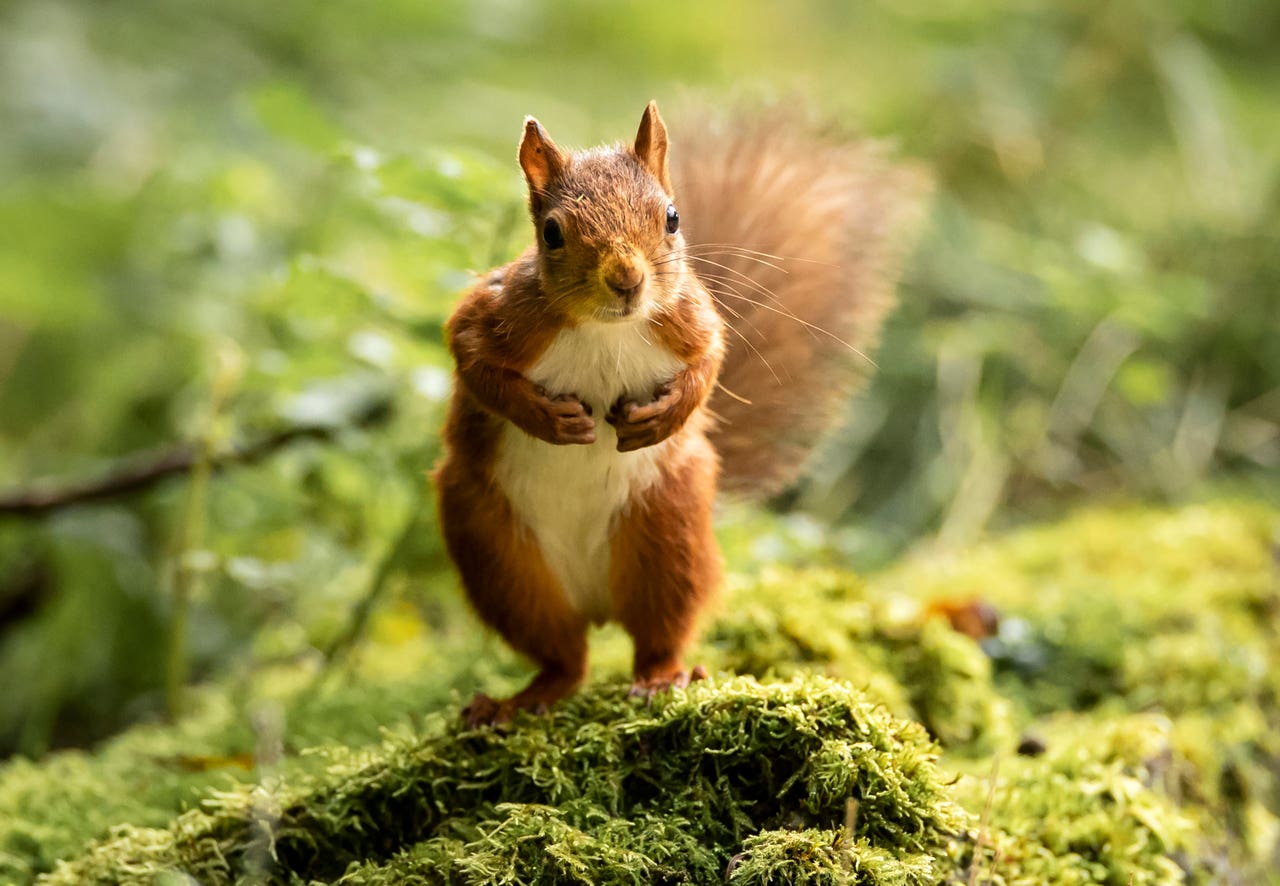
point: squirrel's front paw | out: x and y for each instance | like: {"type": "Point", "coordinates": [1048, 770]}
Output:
{"type": "Point", "coordinates": [564, 419]}
{"type": "Point", "coordinates": [640, 426]}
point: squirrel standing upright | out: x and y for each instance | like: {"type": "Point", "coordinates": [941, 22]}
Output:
{"type": "Point", "coordinates": [586, 432]}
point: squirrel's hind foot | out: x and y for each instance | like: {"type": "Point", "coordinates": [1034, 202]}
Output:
{"type": "Point", "coordinates": [648, 685]}
{"type": "Point", "coordinates": [487, 711]}
{"type": "Point", "coordinates": [548, 687]}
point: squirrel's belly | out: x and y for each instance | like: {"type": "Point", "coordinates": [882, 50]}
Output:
{"type": "Point", "coordinates": [569, 497]}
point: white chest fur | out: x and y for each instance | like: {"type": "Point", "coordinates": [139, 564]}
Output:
{"type": "Point", "coordinates": [570, 496]}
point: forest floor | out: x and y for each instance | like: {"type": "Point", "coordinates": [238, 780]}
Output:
{"type": "Point", "coordinates": [1094, 701]}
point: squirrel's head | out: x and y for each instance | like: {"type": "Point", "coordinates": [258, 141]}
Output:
{"type": "Point", "coordinates": [605, 219]}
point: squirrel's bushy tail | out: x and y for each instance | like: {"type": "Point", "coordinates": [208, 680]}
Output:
{"type": "Point", "coordinates": [799, 236]}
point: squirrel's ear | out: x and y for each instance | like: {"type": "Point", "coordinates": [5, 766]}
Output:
{"type": "Point", "coordinates": [540, 159]}
{"type": "Point", "coordinates": [651, 145]}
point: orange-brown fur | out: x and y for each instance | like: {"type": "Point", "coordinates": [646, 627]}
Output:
{"type": "Point", "coordinates": [512, 590]}
{"type": "Point", "coordinates": [666, 565]}
{"type": "Point", "coordinates": [617, 263]}
{"type": "Point", "coordinates": [829, 221]}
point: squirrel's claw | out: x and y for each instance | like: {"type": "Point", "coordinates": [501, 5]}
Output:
{"type": "Point", "coordinates": [648, 687]}
{"type": "Point", "coordinates": [566, 419]}
{"type": "Point", "coordinates": [639, 425]}
{"type": "Point", "coordinates": [486, 711]}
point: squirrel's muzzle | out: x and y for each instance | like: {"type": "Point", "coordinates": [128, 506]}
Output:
{"type": "Point", "coordinates": [625, 278]}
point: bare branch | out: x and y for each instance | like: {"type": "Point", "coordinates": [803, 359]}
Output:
{"type": "Point", "coordinates": [141, 471]}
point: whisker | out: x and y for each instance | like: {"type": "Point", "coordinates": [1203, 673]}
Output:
{"type": "Point", "coordinates": [728, 287]}
{"type": "Point", "coordinates": [687, 252]}
{"type": "Point", "coordinates": [740, 334]}
{"type": "Point", "coordinates": [572, 292]}
{"type": "Point", "coordinates": [738, 315]}
{"type": "Point", "coordinates": [741, 399]}
{"type": "Point", "coordinates": [746, 341]}
{"type": "Point", "coordinates": [732, 253]}
{"type": "Point", "coordinates": [745, 278]}
{"type": "Point", "coordinates": [726, 280]}
{"type": "Point", "coordinates": [729, 283]}
{"type": "Point", "coordinates": [811, 326]}
{"type": "Point", "coordinates": [746, 251]}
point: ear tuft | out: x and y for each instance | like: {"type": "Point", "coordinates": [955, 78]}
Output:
{"type": "Point", "coordinates": [540, 159]}
{"type": "Point", "coordinates": [651, 145]}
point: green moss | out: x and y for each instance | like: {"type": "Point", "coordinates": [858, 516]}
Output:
{"type": "Point", "coordinates": [1139, 647]}
{"type": "Point", "coordinates": [816, 857]}
{"type": "Point", "coordinates": [791, 622]}
{"type": "Point", "coordinates": [50, 808]}
{"type": "Point", "coordinates": [577, 842]}
{"type": "Point", "coordinates": [1167, 612]}
{"type": "Point", "coordinates": [1122, 602]}
{"type": "Point", "coordinates": [1085, 812]}
{"type": "Point", "coordinates": [721, 761]}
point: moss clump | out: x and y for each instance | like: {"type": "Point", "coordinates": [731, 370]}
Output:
{"type": "Point", "coordinates": [603, 773]}
{"type": "Point", "coordinates": [822, 857]}
{"type": "Point", "coordinates": [1145, 607]}
{"type": "Point", "coordinates": [791, 622]}
{"type": "Point", "coordinates": [48, 809]}
{"type": "Point", "coordinates": [1087, 811]}
{"type": "Point", "coordinates": [577, 842]}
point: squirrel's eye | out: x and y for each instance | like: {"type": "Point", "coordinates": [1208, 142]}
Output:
{"type": "Point", "coordinates": [673, 219]}
{"type": "Point", "coordinates": [551, 234]}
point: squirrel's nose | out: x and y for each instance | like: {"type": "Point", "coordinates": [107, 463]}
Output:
{"type": "Point", "coordinates": [626, 280]}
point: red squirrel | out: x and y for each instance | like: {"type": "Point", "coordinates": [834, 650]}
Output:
{"type": "Point", "coordinates": [679, 320]}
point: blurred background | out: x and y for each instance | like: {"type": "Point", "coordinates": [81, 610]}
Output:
{"type": "Point", "coordinates": [230, 234]}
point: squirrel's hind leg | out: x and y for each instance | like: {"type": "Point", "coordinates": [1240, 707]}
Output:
{"type": "Point", "coordinates": [513, 591]}
{"type": "Point", "coordinates": [665, 567]}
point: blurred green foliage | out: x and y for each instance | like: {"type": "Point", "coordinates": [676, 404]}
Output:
{"type": "Point", "coordinates": [221, 220]}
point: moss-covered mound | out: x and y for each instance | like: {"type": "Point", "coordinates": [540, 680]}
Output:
{"type": "Point", "coordinates": [603, 790]}
{"type": "Point", "coordinates": [1118, 726]}
{"type": "Point", "coordinates": [792, 623]}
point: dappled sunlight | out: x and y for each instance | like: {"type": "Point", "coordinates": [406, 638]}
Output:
{"type": "Point", "coordinates": [230, 238]}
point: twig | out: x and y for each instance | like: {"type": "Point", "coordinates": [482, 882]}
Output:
{"type": "Point", "coordinates": [141, 471]}
{"type": "Point", "coordinates": [850, 828]}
